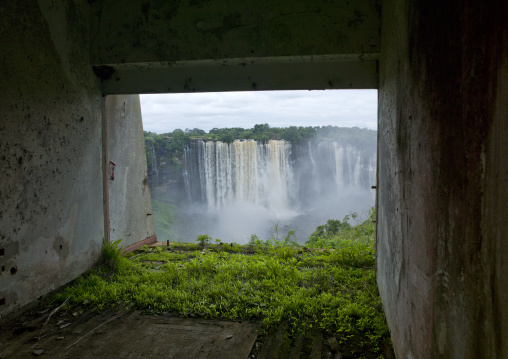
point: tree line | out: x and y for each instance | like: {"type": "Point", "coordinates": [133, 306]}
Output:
{"type": "Point", "coordinates": [169, 146]}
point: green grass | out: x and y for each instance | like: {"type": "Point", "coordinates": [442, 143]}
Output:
{"type": "Point", "coordinates": [164, 215]}
{"type": "Point", "coordinates": [344, 235]}
{"type": "Point", "coordinates": [332, 290]}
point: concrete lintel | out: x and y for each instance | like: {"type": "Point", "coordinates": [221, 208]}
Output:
{"type": "Point", "coordinates": [351, 71]}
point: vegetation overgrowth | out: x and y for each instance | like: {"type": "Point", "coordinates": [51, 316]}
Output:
{"type": "Point", "coordinates": [164, 219]}
{"type": "Point", "coordinates": [327, 285]}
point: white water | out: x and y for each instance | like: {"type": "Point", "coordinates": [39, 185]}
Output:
{"type": "Point", "coordinates": [155, 171]}
{"type": "Point", "coordinates": [246, 172]}
{"type": "Point", "coordinates": [246, 187]}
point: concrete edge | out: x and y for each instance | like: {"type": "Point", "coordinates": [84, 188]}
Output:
{"type": "Point", "coordinates": [144, 242]}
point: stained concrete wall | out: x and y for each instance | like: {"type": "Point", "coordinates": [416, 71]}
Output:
{"type": "Point", "coordinates": [51, 207]}
{"type": "Point", "coordinates": [195, 46]}
{"type": "Point", "coordinates": [160, 31]}
{"type": "Point", "coordinates": [130, 204]}
{"type": "Point", "coordinates": [442, 191]}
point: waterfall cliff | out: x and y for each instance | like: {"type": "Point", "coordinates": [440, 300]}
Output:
{"type": "Point", "coordinates": [274, 174]}
{"type": "Point", "coordinates": [233, 190]}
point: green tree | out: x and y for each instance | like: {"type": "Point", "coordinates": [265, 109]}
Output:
{"type": "Point", "coordinates": [227, 137]}
{"type": "Point", "coordinates": [291, 134]}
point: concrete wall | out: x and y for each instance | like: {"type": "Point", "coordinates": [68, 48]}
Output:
{"type": "Point", "coordinates": [130, 204]}
{"type": "Point", "coordinates": [443, 146]}
{"type": "Point", "coordinates": [442, 191]}
{"type": "Point", "coordinates": [51, 208]}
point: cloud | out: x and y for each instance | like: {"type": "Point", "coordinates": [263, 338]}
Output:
{"type": "Point", "coordinates": [346, 108]}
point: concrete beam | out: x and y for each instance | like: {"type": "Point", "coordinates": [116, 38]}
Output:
{"type": "Point", "coordinates": [199, 46]}
{"type": "Point", "coordinates": [286, 73]}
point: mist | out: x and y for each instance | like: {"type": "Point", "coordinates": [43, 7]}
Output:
{"type": "Point", "coordinates": [234, 190]}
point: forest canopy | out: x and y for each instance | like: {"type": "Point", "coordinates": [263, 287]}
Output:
{"type": "Point", "coordinates": [171, 145]}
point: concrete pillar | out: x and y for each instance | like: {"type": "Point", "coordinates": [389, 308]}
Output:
{"type": "Point", "coordinates": [442, 194]}
{"type": "Point", "coordinates": [130, 204]}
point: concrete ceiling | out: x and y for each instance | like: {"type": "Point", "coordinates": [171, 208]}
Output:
{"type": "Point", "coordinates": [184, 46]}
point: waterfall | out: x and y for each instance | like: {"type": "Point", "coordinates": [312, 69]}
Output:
{"type": "Point", "coordinates": [339, 166]}
{"type": "Point", "coordinates": [273, 174]}
{"type": "Point", "coordinates": [186, 174]}
{"type": "Point", "coordinates": [234, 190]}
{"type": "Point", "coordinates": [155, 171]}
{"type": "Point", "coordinates": [243, 171]}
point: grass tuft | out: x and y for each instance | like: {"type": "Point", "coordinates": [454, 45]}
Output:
{"type": "Point", "coordinates": [111, 257]}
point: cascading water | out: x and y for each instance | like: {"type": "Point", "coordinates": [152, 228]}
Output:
{"type": "Point", "coordinates": [246, 186]}
{"type": "Point", "coordinates": [154, 169]}
{"type": "Point", "coordinates": [243, 171]}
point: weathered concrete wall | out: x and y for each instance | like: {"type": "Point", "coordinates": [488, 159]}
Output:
{"type": "Point", "coordinates": [248, 74]}
{"type": "Point", "coordinates": [442, 191]}
{"type": "Point", "coordinates": [133, 31]}
{"type": "Point", "coordinates": [130, 204]}
{"type": "Point", "coordinates": [51, 208]}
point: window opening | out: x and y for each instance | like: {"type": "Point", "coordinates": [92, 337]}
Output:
{"type": "Point", "coordinates": [237, 165]}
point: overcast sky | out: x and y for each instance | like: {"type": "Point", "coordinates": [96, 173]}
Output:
{"type": "Point", "coordinates": [343, 108]}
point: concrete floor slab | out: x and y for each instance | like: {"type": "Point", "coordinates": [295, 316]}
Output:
{"type": "Point", "coordinates": [127, 334]}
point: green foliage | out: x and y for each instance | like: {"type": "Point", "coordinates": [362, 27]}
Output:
{"type": "Point", "coordinates": [111, 256]}
{"type": "Point", "coordinates": [332, 228]}
{"type": "Point", "coordinates": [203, 239]}
{"type": "Point", "coordinates": [288, 240]}
{"type": "Point", "coordinates": [308, 289]}
{"type": "Point", "coordinates": [169, 147]}
{"type": "Point", "coordinates": [342, 235]}
{"type": "Point", "coordinates": [195, 132]}
{"type": "Point", "coordinates": [164, 216]}
{"type": "Point", "coordinates": [226, 137]}
{"type": "Point", "coordinates": [274, 281]}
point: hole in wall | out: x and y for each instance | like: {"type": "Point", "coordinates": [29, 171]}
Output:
{"type": "Point", "coordinates": [14, 270]}
{"type": "Point", "coordinates": [2, 251]}
{"type": "Point", "coordinates": [3, 268]}
{"type": "Point", "coordinates": [2, 301]}
{"type": "Point", "coordinates": [61, 246]}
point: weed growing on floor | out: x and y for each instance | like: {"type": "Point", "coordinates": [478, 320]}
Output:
{"type": "Point", "coordinates": [111, 257]}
